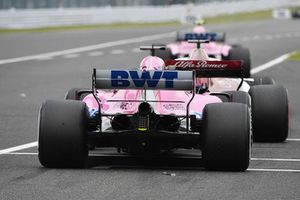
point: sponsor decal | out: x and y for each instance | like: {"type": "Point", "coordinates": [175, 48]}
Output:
{"type": "Point", "coordinates": [93, 112]}
{"type": "Point", "coordinates": [126, 105]}
{"type": "Point", "coordinates": [174, 107]}
{"type": "Point", "coordinates": [122, 78]}
{"type": "Point", "coordinates": [200, 36]}
{"type": "Point", "coordinates": [200, 64]}
{"type": "Point", "coordinates": [198, 114]}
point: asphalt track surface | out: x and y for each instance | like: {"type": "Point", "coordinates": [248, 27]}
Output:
{"type": "Point", "coordinates": [274, 172]}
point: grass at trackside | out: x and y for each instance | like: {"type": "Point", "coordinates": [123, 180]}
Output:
{"type": "Point", "coordinates": [228, 18]}
{"type": "Point", "coordinates": [95, 26]}
{"type": "Point", "coordinates": [257, 15]}
{"type": "Point", "coordinates": [295, 56]}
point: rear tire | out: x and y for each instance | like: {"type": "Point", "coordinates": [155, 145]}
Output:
{"type": "Point", "coordinates": [241, 53]}
{"type": "Point", "coordinates": [164, 54]}
{"type": "Point", "coordinates": [265, 80]}
{"type": "Point", "coordinates": [226, 137]}
{"type": "Point", "coordinates": [62, 134]}
{"type": "Point", "coordinates": [270, 113]}
{"type": "Point", "coordinates": [240, 97]}
{"type": "Point", "coordinates": [73, 94]}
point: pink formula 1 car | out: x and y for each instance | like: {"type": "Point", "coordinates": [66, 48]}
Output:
{"type": "Point", "coordinates": [217, 48]}
{"type": "Point", "coordinates": [270, 119]}
{"type": "Point", "coordinates": [148, 110]}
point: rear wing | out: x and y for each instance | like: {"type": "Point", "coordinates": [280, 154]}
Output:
{"type": "Point", "coordinates": [211, 36]}
{"type": "Point", "coordinates": [143, 80]}
{"type": "Point", "coordinates": [228, 68]}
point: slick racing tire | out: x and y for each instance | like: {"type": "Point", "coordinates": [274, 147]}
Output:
{"type": "Point", "coordinates": [164, 54]}
{"type": "Point", "coordinates": [221, 37]}
{"type": "Point", "coordinates": [241, 53]}
{"type": "Point", "coordinates": [270, 113]}
{"type": "Point", "coordinates": [239, 97]}
{"type": "Point", "coordinates": [265, 80]}
{"type": "Point", "coordinates": [62, 134]}
{"type": "Point", "coordinates": [226, 137]}
{"type": "Point", "coordinates": [76, 94]}
{"type": "Point", "coordinates": [179, 36]}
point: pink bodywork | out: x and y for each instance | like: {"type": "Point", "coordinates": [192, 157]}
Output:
{"type": "Point", "coordinates": [150, 63]}
{"type": "Point", "coordinates": [183, 48]}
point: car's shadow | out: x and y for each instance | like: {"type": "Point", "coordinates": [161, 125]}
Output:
{"type": "Point", "coordinates": [178, 159]}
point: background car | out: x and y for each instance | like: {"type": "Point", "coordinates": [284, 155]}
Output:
{"type": "Point", "coordinates": [217, 48]}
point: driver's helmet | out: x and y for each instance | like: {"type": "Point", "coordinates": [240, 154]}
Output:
{"type": "Point", "coordinates": [152, 63]}
{"type": "Point", "coordinates": [200, 22]}
{"type": "Point", "coordinates": [199, 28]}
{"type": "Point", "coordinates": [202, 84]}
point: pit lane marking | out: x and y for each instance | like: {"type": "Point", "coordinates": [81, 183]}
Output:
{"type": "Point", "coordinates": [266, 37]}
{"type": "Point", "coordinates": [89, 48]}
{"type": "Point", "coordinates": [96, 53]}
{"type": "Point", "coordinates": [117, 51]}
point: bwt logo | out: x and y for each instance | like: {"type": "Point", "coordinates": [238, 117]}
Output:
{"type": "Point", "coordinates": [200, 36]}
{"type": "Point", "coordinates": [122, 78]}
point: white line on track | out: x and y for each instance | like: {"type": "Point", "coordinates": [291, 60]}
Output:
{"type": "Point", "coordinates": [136, 50]}
{"type": "Point", "coordinates": [270, 64]}
{"type": "Point", "coordinates": [293, 139]}
{"type": "Point", "coordinates": [256, 37]}
{"type": "Point", "coordinates": [18, 148]}
{"type": "Point", "coordinates": [276, 159]}
{"type": "Point", "coordinates": [117, 51]}
{"type": "Point", "coordinates": [95, 53]}
{"type": "Point", "coordinates": [73, 55]}
{"type": "Point", "coordinates": [89, 48]}
{"type": "Point", "coordinates": [45, 58]}
{"type": "Point", "coordinates": [21, 153]}
{"type": "Point", "coordinates": [273, 170]}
